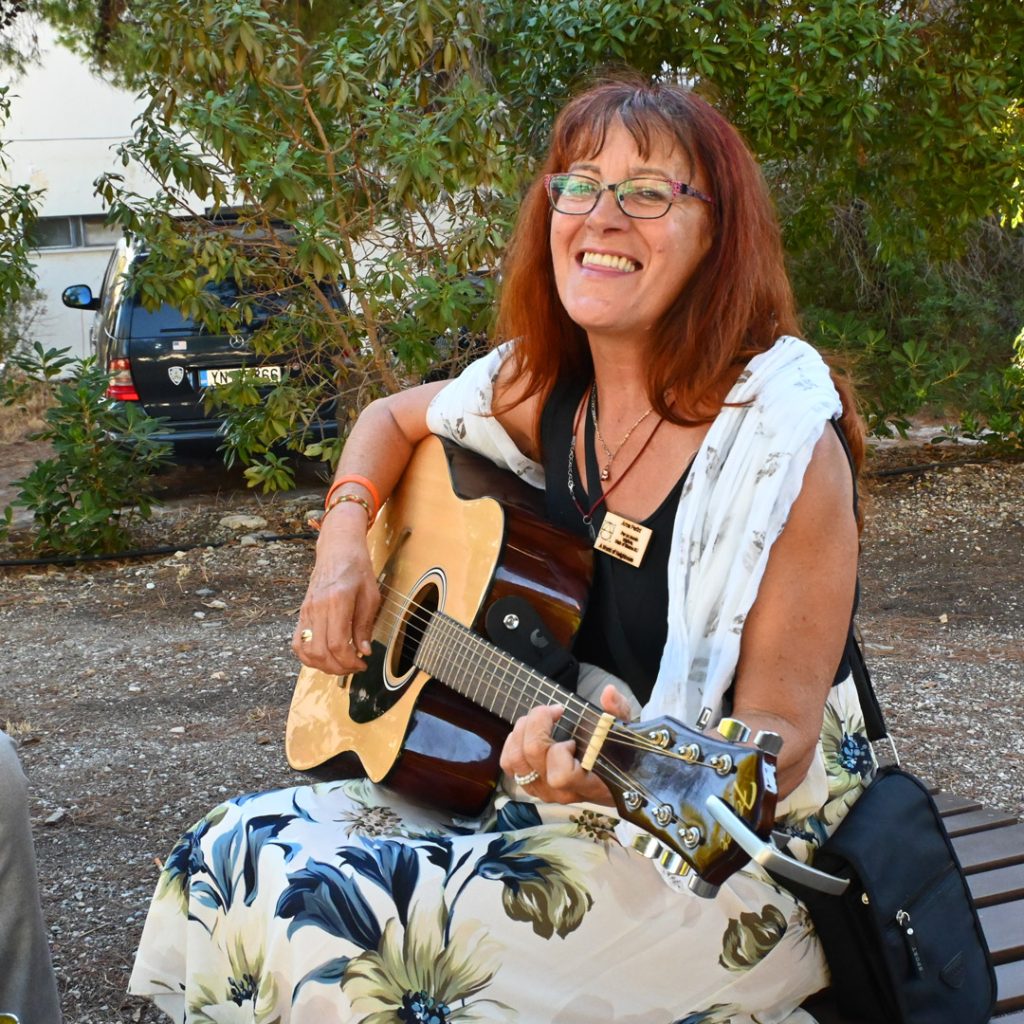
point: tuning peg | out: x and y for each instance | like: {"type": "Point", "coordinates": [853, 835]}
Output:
{"type": "Point", "coordinates": [646, 845]}
{"type": "Point", "coordinates": [734, 730]}
{"type": "Point", "coordinates": [699, 887]}
{"type": "Point", "coordinates": [768, 742]}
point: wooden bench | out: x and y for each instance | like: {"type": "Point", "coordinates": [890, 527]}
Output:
{"type": "Point", "coordinates": [990, 845]}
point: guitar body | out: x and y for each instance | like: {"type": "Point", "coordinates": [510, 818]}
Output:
{"type": "Point", "coordinates": [457, 535]}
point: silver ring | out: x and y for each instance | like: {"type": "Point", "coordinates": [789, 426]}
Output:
{"type": "Point", "coordinates": [306, 635]}
{"type": "Point", "coordinates": [527, 779]}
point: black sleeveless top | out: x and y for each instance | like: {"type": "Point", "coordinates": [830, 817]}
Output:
{"type": "Point", "coordinates": [626, 624]}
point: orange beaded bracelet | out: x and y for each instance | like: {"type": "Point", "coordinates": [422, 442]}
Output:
{"type": "Point", "coordinates": [353, 478]}
{"type": "Point", "coordinates": [330, 501]}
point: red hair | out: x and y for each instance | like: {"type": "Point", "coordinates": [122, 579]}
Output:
{"type": "Point", "coordinates": [736, 304]}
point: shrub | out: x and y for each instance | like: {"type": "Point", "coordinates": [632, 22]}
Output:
{"type": "Point", "coordinates": [86, 497]}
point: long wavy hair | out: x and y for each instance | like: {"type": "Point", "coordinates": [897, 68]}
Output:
{"type": "Point", "coordinates": [736, 304]}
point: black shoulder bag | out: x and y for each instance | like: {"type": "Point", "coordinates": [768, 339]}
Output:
{"type": "Point", "coordinates": [903, 942]}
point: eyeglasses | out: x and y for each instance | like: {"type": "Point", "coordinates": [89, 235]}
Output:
{"type": "Point", "coordinates": [642, 198]}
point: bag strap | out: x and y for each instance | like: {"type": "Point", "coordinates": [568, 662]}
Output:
{"type": "Point", "coordinates": [874, 720]}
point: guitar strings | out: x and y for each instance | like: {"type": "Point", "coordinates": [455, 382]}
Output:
{"type": "Point", "coordinates": [493, 659]}
{"type": "Point", "coordinates": [396, 608]}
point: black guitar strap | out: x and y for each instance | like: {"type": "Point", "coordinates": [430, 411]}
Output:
{"type": "Point", "coordinates": [514, 625]}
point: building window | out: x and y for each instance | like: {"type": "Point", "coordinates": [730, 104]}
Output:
{"type": "Point", "coordinates": [72, 232]}
{"type": "Point", "coordinates": [51, 233]}
{"type": "Point", "coordinates": [96, 231]}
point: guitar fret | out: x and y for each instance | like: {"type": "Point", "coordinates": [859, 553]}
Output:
{"type": "Point", "coordinates": [460, 669]}
{"type": "Point", "coordinates": [479, 657]}
{"type": "Point", "coordinates": [427, 655]}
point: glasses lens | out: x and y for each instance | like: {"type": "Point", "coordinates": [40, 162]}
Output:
{"type": "Point", "coordinates": [573, 193]}
{"type": "Point", "coordinates": [645, 197]}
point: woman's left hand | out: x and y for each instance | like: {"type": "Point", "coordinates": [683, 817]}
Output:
{"type": "Point", "coordinates": [531, 747]}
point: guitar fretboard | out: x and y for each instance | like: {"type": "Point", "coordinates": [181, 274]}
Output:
{"type": "Point", "coordinates": [487, 675]}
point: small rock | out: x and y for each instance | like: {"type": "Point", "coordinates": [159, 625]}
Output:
{"type": "Point", "coordinates": [134, 688]}
{"type": "Point", "coordinates": [205, 592]}
{"type": "Point", "coordinates": [943, 618]}
{"type": "Point", "coordinates": [248, 541]}
{"type": "Point", "coordinates": [178, 730]}
{"type": "Point", "coordinates": [56, 817]}
{"type": "Point", "coordinates": [216, 603]}
{"type": "Point", "coordinates": [151, 586]}
{"type": "Point", "coordinates": [199, 615]}
{"type": "Point", "coordinates": [243, 522]}
{"type": "Point", "coordinates": [216, 675]}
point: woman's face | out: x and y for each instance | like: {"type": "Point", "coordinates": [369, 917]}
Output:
{"type": "Point", "coordinates": [617, 275]}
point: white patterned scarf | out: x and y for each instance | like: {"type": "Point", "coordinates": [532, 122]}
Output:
{"type": "Point", "coordinates": [735, 502]}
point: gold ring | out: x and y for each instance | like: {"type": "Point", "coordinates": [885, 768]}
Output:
{"type": "Point", "coordinates": [306, 635]}
{"type": "Point", "coordinates": [527, 779]}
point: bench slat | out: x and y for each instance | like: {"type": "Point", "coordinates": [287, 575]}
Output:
{"type": "Point", "coordinates": [1010, 987]}
{"type": "Point", "coordinates": [1003, 925]}
{"type": "Point", "coordinates": [950, 803]}
{"type": "Point", "coordinates": [983, 851]}
{"type": "Point", "coordinates": [998, 886]}
{"type": "Point", "coordinates": [977, 821]}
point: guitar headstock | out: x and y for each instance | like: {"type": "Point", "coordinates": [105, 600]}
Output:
{"type": "Point", "coordinates": [662, 778]}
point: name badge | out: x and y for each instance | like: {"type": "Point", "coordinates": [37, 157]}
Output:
{"type": "Point", "coordinates": [623, 539]}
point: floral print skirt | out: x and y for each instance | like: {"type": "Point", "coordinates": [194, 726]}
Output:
{"type": "Point", "coordinates": [339, 902]}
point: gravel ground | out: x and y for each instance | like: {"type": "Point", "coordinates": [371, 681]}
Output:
{"type": "Point", "coordinates": [144, 691]}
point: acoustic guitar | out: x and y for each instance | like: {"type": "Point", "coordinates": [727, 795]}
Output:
{"type": "Point", "coordinates": [481, 597]}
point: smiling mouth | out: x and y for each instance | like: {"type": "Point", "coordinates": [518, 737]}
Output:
{"type": "Point", "coordinates": [608, 261]}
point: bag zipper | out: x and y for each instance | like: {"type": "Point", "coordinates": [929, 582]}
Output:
{"type": "Point", "coordinates": [904, 922]}
{"type": "Point", "coordinates": [905, 925]}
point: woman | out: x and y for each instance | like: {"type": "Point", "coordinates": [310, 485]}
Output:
{"type": "Point", "coordinates": [654, 378]}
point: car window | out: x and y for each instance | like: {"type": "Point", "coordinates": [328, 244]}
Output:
{"type": "Point", "coordinates": [168, 319]}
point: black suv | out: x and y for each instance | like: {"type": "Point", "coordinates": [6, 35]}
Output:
{"type": "Point", "coordinates": [165, 362]}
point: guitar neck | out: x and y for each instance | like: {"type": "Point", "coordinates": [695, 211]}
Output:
{"type": "Point", "coordinates": [484, 674]}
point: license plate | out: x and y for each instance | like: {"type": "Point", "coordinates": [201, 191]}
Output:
{"type": "Point", "coordinates": [215, 378]}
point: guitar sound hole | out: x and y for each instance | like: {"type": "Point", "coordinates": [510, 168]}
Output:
{"type": "Point", "coordinates": [415, 619]}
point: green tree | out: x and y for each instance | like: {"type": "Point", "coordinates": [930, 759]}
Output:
{"type": "Point", "coordinates": [17, 214]}
{"type": "Point", "coordinates": [395, 139]}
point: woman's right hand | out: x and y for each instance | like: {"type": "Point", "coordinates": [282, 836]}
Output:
{"type": "Point", "coordinates": [342, 597]}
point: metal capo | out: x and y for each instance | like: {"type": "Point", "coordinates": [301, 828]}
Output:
{"type": "Point", "coordinates": [769, 856]}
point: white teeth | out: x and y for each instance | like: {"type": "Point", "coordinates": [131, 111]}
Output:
{"type": "Point", "coordinates": [604, 259]}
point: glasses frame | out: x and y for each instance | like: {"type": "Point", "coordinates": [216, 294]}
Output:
{"type": "Point", "coordinates": [679, 188]}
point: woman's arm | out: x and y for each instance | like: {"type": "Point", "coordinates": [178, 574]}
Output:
{"type": "Point", "coordinates": [794, 636]}
{"type": "Point", "coordinates": [792, 642]}
{"type": "Point", "coordinates": [342, 597]}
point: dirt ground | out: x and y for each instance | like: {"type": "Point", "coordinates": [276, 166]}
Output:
{"type": "Point", "coordinates": [146, 690]}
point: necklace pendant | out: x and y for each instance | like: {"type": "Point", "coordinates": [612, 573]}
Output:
{"type": "Point", "coordinates": [606, 473]}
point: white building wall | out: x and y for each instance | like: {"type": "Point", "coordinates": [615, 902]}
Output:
{"type": "Point", "coordinates": [63, 131]}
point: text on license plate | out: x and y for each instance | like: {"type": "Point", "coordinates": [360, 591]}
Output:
{"type": "Point", "coordinates": [213, 378]}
